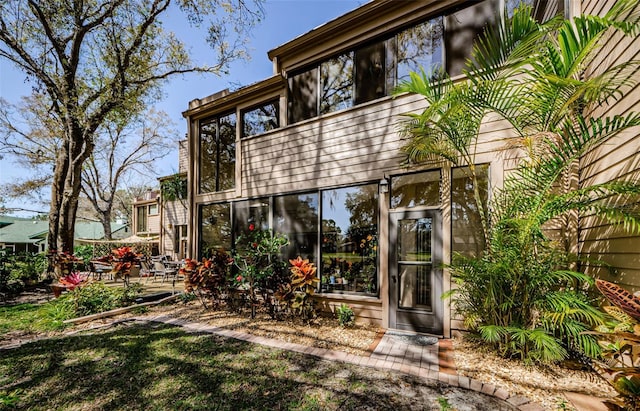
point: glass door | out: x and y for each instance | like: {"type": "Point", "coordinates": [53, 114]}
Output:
{"type": "Point", "coordinates": [416, 275]}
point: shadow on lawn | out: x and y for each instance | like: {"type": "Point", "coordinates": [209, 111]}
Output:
{"type": "Point", "coordinates": [154, 366]}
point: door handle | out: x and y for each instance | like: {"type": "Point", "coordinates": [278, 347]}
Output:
{"type": "Point", "coordinates": [393, 277]}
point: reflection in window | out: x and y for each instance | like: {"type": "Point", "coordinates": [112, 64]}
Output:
{"type": "Point", "coordinates": [415, 261]}
{"type": "Point", "coordinates": [463, 27]}
{"type": "Point", "coordinates": [215, 229]}
{"type": "Point", "coordinates": [303, 96]}
{"type": "Point", "coordinates": [336, 79]}
{"type": "Point", "coordinates": [217, 153]}
{"type": "Point", "coordinates": [250, 213]}
{"type": "Point", "coordinates": [349, 239]}
{"type": "Point", "coordinates": [372, 71]}
{"type": "Point", "coordinates": [141, 219]}
{"type": "Point", "coordinates": [208, 155]}
{"type": "Point", "coordinates": [412, 190]}
{"type": "Point", "coordinates": [260, 119]}
{"type": "Point", "coordinates": [420, 46]}
{"type": "Point", "coordinates": [371, 78]}
{"type": "Point", "coordinates": [466, 223]}
{"type": "Point", "coordinates": [296, 216]}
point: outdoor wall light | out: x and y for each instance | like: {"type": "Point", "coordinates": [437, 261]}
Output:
{"type": "Point", "coordinates": [384, 185]}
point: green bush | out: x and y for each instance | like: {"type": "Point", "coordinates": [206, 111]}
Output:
{"type": "Point", "coordinates": [346, 316]}
{"type": "Point", "coordinates": [97, 297]}
{"type": "Point", "coordinates": [85, 252]}
{"type": "Point", "coordinates": [17, 271]}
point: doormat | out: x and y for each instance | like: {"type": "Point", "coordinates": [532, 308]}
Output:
{"type": "Point", "coordinates": [412, 339]}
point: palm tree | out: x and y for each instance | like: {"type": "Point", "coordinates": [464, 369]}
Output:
{"type": "Point", "coordinates": [519, 294]}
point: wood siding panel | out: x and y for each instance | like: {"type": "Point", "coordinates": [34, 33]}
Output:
{"type": "Point", "coordinates": [153, 223]}
{"type": "Point", "coordinates": [183, 156]}
{"type": "Point", "coordinates": [366, 311]}
{"type": "Point", "coordinates": [616, 159]}
{"type": "Point", "coordinates": [354, 146]}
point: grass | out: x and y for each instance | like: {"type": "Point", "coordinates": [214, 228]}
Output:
{"type": "Point", "coordinates": [32, 317]}
{"type": "Point", "coordinates": [148, 366]}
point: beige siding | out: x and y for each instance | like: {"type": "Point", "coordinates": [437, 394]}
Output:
{"type": "Point", "coordinates": [174, 214]}
{"type": "Point", "coordinates": [366, 310]}
{"type": "Point", "coordinates": [354, 146]}
{"type": "Point", "coordinates": [153, 223]}
{"type": "Point", "coordinates": [183, 156]}
{"type": "Point", "coordinates": [616, 159]}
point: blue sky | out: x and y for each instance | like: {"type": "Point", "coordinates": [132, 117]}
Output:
{"type": "Point", "coordinates": [284, 20]}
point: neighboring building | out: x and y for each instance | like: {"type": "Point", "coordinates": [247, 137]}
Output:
{"type": "Point", "coordinates": [22, 235]}
{"type": "Point", "coordinates": [146, 214]}
{"type": "Point", "coordinates": [314, 152]}
{"type": "Point", "coordinates": [174, 216]}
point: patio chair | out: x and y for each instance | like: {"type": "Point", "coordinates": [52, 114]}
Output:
{"type": "Point", "coordinates": [146, 270]}
{"type": "Point", "coordinates": [162, 269]}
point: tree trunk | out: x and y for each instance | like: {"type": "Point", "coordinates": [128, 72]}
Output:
{"type": "Point", "coordinates": [57, 190]}
{"type": "Point", "coordinates": [65, 190]}
{"type": "Point", "coordinates": [105, 219]}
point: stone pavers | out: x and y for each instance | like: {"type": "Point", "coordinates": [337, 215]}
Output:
{"type": "Point", "coordinates": [432, 361]}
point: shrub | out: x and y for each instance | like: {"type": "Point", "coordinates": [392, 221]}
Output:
{"type": "Point", "coordinates": [260, 268]}
{"type": "Point", "coordinates": [97, 297]}
{"type": "Point", "coordinates": [207, 278]}
{"type": "Point", "coordinates": [85, 253]}
{"type": "Point", "coordinates": [346, 316]}
{"type": "Point", "coordinates": [19, 270]}
{"type": "Point", "coordinates": [521, 300]}
{"type": "Point", "coordinates": [296, 295]}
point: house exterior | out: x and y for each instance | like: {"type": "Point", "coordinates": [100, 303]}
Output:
{"type": "Point", "coordinates": [313, 152]}
{"type": "Point", "coordinates": [146, 219]}
{"type": "Point", "coordinates": [174, 216]}
{"type": "Point", "coordinates": [146, 214]}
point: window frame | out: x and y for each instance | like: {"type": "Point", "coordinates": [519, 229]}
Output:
{"type": "Point", "coordinates": [144, 209]}
{"type": "Point", "coordinates": [276, 103]}
{"type": "Point", "coordinates": [216, 121]}
{"type": "Point", "coordinates": [389, 42]}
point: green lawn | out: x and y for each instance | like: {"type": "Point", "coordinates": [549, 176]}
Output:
{"type": "Point", "coordinates": [31, 317]}
{"type": "Point", "coordinates": [151, 366]}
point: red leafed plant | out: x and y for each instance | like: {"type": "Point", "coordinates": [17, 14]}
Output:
{"type": "Point", "coordinates": [620, 297]}
{"type": "Point", "coordinates": [297, 295]}
{"type": "Point", "coordinates": [207, 277]}
{"type": "Point", "coordinates": [619, 362]}
{"type": "Point", "coordinates": [123, 259]}
{"type": "Point", "coordinates": [73, 280]}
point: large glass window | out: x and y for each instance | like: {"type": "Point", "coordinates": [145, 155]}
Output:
{"type": "Point", "coordinates": [260, 119]}
{"type": "Point", "coordinates": [141, 219]}
{"type": "Point", "coordinates": [250, 215]}
{"type": "Point", "coordinates": [350, 239]}
{"type": "Point", "coordinates": [371, 72]}
{"type": "Point", "coordinates": [303, 95]}
{"type": "Point", "coordinates": [215, 228]}
{"type": "Point", "coordinates": [336, 79]}
{"type": "Point", "coordinates": [217, 153]}
{"type": "Point", "coordinates": [463, 27]}
{"type": "Point", "coordinates": [466, 223]}
{"type": "Point", "coordinates": [421, 46]}
{"type": "Point", "coordinates": [413, 190]}
{"type": "Point", "coordinates": [296, 216]}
